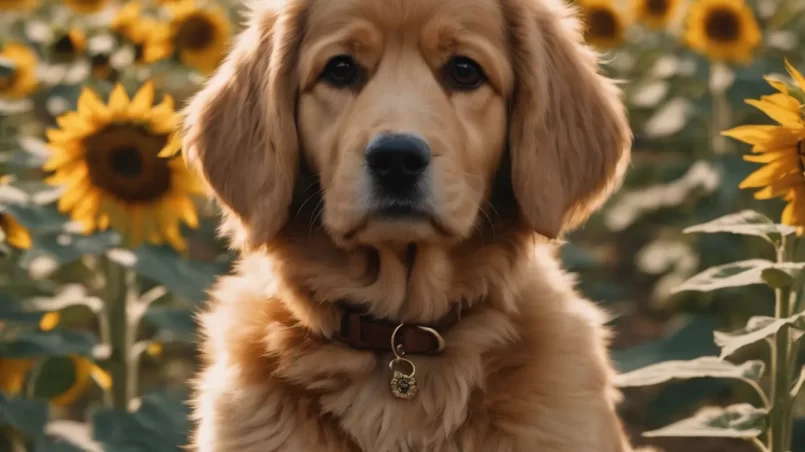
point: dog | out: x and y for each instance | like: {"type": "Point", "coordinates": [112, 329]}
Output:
{"type": "Point", "coordinates": [397, 176]}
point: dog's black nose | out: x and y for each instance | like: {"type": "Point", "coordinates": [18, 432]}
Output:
{"type": "Point", "coordinates": [397, 160]}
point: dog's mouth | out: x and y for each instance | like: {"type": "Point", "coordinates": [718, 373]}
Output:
{"type": "Point", "coordinates": [401, 211]}
{"type": "Point", "coordinates": [402, 221]}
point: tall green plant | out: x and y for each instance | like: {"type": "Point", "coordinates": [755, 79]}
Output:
{"type": "Point", "coordinates": [768, 422]}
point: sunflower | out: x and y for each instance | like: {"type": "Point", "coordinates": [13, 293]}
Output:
{"type": "Point", "coordinates": [107, 157]}
{"type": "Point", "coordinates": [17, 71]}
{"type": "Point", "coordinates": [139, 34]}
{"type": "Point", "coordinates": [200, 36]}
{"type": "Point", "coordinates": [16, 234]}
{"type": "Point", "coordinates": [724, 30]}
{"type": "Point", "coordinates": [128, 15]}
{"type": "Point", "coordinates": [654, 13]}
{"type": "Point", "coordinates": [140, 31]}
{"type": "Point", "coordinates": [780, 148]}
{"type": "Point", "coordinates": [18, 5]}
{"type": "Point", "coordinates": [69, 45]}
{"type": "Point", "coordinates": [86, 6]}
{"type": "Point", "coordinates": [84, 371]}
{"type": "Point", "coordinates": [101, 66]}
{"type": "Point", "coordinates": [604, 26]}
{"type": "Point", "coordinates": [14, 373]}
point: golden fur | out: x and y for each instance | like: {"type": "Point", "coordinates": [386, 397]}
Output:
{"type": "Point", "coordinates": [526, 156]}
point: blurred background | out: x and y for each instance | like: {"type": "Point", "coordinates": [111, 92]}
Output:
{"type": "Point", "coordinates": [108, 244]}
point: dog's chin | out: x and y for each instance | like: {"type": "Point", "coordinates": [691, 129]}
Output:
{"type": "Point", "coordinates": [396, 225]}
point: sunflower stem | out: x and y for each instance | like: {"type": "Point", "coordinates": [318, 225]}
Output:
{"type": "Point", "coordinates": [780, 415]}
{"type": "Point", "coordinates": [120, 334]}
{"type": "Point", "coordinates": [720, 108]}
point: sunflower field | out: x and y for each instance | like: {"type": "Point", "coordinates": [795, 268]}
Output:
{"type": "Point", "coordinates": [107, 243]}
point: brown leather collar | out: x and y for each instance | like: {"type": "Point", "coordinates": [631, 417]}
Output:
{"type": "Point", "coordinates": [364, 332]}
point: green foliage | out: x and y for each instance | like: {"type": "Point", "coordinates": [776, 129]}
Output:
{"type": "Point", "coordinates": [127, 311]}
{"type": "Point", "coordinates": [770, 425]}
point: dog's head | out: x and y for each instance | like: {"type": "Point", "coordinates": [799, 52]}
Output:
{"type": "Point", "coordinates": [404, 110]}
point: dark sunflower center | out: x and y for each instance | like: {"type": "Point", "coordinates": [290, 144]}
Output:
{"type": "Point", "coordinates": [8, 73]}
{"type": "Point", "coordinates": [64, 47]}
{"type": "Point", "coordinates": [601, 23]}
{"type": "Point", "coordinates": [139, 52]}
{"type": "Point", "coordinates": [195, 33]}
{"type": "Point", "coordinates": [801, 155]}
{"type": "Point", "coordinates": [126, 162]}
{"type": "Point", "coordinates": [101, 68]}
{"type": "Point", "coordinates": [657, 7]}
{"type": "Point", "coordinates": [122, 160]}
{"type": "Point", "coordinates": [722, 25]}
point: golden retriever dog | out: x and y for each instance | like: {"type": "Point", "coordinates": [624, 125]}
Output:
{"type": "Point", "coordinates": [395, 174]}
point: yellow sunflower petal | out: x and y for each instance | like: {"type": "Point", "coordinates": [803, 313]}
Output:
{"type": "Point", "coordinates": [172, 147]}
{"type": "Point", "coordinates": [72, 196]}
{"type": "Point", "coordinates": [780, 187]}
{"type": "Point", "coordinates": [59, 159]}
{"type": "Point", "coordinates": [174, 237]}
{"type": "Point", "coordinates": [101, 377]}
{"type": "Point", "coordinates": [186, 210]}
{"type": "Point", "coordinates": [776, 84]}
{"type": "Point", "coordinates": [69, 173]}
{"type": "Point", "coordinates": [87, 209]}
{"type": "Point", "coordinates": [788, 214]}
{"type": "Point", "coordinates": [119, 102]}
{"type": "Point", "coordinates": [90, 106]}
{"type": "Point", "coordinates": [767, 174]}
{"type": "Point", "coordinates": [13, 373]}
{"type": "Point", "coordinates": [58, 136]}
{"type": "Point", "coordinates": [16, 234]}
{"type": "Point", "coordinates": [782, 115]}
{"type": "Point", "coordinates": [790, 154]}
{"type": "Point", "coordinates": [49, 321]}
{"type": "Point", "coordinates": [751, 134]}
{"type": "Point", "coordinates": [82, 368]}
{"type": "Point", "coordinates": [135, 226]}
{"type": "Point", "coordinates": [796, 75]}
{"type": "Point", "coordinates": [142, 101]}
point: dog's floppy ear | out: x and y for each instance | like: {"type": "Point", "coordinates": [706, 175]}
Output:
{"type": "Point", "coordinates": [569, 137]}
{"type": "Point", "coordinates": [240, 128]}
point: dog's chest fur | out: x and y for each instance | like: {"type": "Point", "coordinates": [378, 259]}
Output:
{"type": "Point", "coordinates": [506, 381]}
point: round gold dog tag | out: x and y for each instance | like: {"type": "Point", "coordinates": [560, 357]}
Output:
{"type": "Point", "coordinates": [403, 386]}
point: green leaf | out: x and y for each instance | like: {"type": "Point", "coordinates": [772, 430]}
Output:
{"type": "Point", "coordinates": [188, 278]}
{"type": "Point", "coordinates": [707, 366]}
{"type": "Point", "coordinates": [37, 217]}
{"type": "Point", "coordinates": [172, 323]}
{"type": "Point", "coordinates": [54, 377]}
{"type": "Point", "coordinates": [49, 343]}
{"type": "Point", "coordinates": [64, 248]}
{"type": "Point", "coordinates": [30, 416]}
{"type": "Point", "coordinates": [692, 339]}
{"type": "Point", "coordinates": [159, 425]}
{"type": "Point", "coordinates": [735, 274]}
{"type": "Point", "coordinates": [31, 309]}
{"type": "Point", "coordinates": [735, 421]}
{"type": "Point", "coordinates": [746, 222]}
{"type": "Point", "coordinates": [68, 436]}
{"type": "Point", "coordinates": [783, 275]}
{"type": "Point", "coordinates": [757, 328]}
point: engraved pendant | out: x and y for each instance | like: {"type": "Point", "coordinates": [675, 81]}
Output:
{"type": "Point", "coordinates": [403, 386]}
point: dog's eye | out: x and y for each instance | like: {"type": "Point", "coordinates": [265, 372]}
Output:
{"type": "Point", "coordinates": [341, 71]}
{"type": "Point", "coordinates": [463, 73]}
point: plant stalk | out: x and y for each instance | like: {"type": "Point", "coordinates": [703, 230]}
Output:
{"type": "Point", "coordinates": [120, 336]}
{"type": "Point", "coordinates": [780, 416]}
